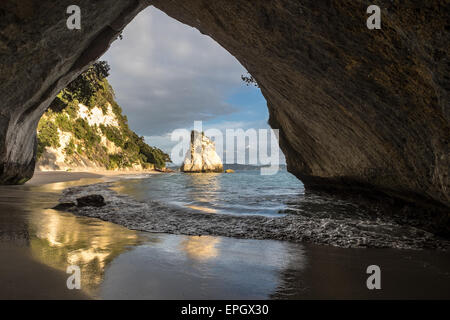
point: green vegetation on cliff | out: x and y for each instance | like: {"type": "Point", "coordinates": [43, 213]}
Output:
{"type": "Point", "coordinates": [85, 122]}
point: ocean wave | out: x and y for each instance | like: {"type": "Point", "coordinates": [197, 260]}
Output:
{"type": "Point", "coordinates": [341, 231]}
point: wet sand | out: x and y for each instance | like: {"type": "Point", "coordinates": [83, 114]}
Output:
{"type": "Point", "coordinates": [22, 274]}
{"type": "Point", "coordinates": [21, 277]}
{"type": "Point", "coordinates": [38, 243]}
{"type": "Point", "coordinates": [46, 177]}
{"type": "Point", "coordinates": [127, 205]}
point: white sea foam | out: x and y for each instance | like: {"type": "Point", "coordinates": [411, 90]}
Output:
{"type": "Point", "coordinates": [358, 230]}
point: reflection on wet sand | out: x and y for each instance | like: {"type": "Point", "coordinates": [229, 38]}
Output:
{"type": "Point", "coordinates": [57, 239]}
{"type": "Point", "coordinates": [37, 244]}
{"type": "Point", "coordinates": [201, 248]}
{"type": "Point", "coordinates": [185, 267]}
{"type": "Point", "coordinates": [60, 240]}
{"type": "Point", "coordinates": [336, 273]}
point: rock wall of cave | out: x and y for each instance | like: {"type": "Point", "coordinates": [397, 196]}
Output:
{"type": "Point", "coordinates": [39, 56]}
{"type": "Point", "coordinates": [358, 109]}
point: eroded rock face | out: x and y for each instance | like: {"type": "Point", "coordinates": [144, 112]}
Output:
{"type": "Point", "coordinates": [202, 156]}
{"type": "Point", "coordinates": [357, 109]}
{"type": "Point", "coordinates": [39, 55]}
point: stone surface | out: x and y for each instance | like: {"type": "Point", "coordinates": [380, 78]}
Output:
{"type": "Point", "coordinates": [39, 55]}
{"type": "Point", "coordinates": [358, 110]}
{"type": "Point", "coordinates": [92, 200]}
{"type": "Point", "coordinates": [57, 158]}
{"type": "Point", "coordinates": [64, 206]}
{"type": "Point", "coordinates": [202, 156]}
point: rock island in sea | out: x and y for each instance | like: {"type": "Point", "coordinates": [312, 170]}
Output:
{"type": "Point", "coordinates": [201, 156]}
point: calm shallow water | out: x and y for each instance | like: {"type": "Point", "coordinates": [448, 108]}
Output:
{"type": "Point", "coordinates": [248, 205]}
{"type": "Point", "coordinates": [241, 193]}
{"type": "Point", "coordinates": [121, 263]}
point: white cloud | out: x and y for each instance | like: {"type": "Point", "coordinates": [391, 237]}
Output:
{"type": "Point", "coordinates": [166, 74]}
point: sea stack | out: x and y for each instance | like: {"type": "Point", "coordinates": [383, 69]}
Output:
{"type": "Point", "coordinates": [202, 156]}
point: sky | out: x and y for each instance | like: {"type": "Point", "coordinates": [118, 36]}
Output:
{"type": "Point", "coordinates": [166, 75]}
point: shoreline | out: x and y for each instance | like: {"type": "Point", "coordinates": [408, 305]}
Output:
{"type": "Point", "coordinates": [48, 177]}
{"type": "Point", "coordinates": [18, 263]}
{"type": "Point", "coordinates": [291, 228]}
{"type": "Point", "coordinates": [38, 243]}
{"type": "Point", "coordinates": [157, 217]}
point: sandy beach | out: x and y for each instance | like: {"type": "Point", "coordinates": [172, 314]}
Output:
{"type": "Point", "coordinates": [45, 177]}
{"type": "Point", "coordinates": [37, 244]}
{"type": "Point", "coordinates": [22, 276]}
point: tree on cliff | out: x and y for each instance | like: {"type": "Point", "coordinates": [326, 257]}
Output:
{"type": "Point", "coordinates": [153, 154]}
{"type": "Point", "coordinates": [84, 87]}
{"type": "Point", "coordinates": [92, 90]}
{"type": "Point", "coordinates": [249, 80]}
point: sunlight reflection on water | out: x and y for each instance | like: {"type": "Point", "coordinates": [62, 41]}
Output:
{"type": "Point", "coordinates": [204, 266]}
{"type": "Point", "coordinates": [119, 263]}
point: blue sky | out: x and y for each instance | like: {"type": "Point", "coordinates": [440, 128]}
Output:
{"type": "Point", "coordinates": [166, 75]}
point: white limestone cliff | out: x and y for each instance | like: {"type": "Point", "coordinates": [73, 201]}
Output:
{"type": "Point", "coordinates": [202, 156]}
{"type": "Point", "coordinates": [57, 158]}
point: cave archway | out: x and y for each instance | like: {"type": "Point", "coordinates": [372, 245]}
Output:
{"type": "Point", "coordinates": [357, 109]}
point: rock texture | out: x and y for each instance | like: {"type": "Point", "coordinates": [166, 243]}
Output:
{"type": "Point", "coordinates": [39, 56]}
{"type": "Point", "coordinates": [57, 158]}
{"type": "Point", "coordinates": [359, 110]}
{"type": "Point", "coordinates": [96, 149]}
{"type": "Point", "coordinates": [92, 200]}
{"type": "Point", "coordinates": [202, 156]}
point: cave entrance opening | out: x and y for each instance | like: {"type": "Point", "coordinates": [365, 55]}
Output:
{"type": "Point", "coordinates": [160, 76]}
